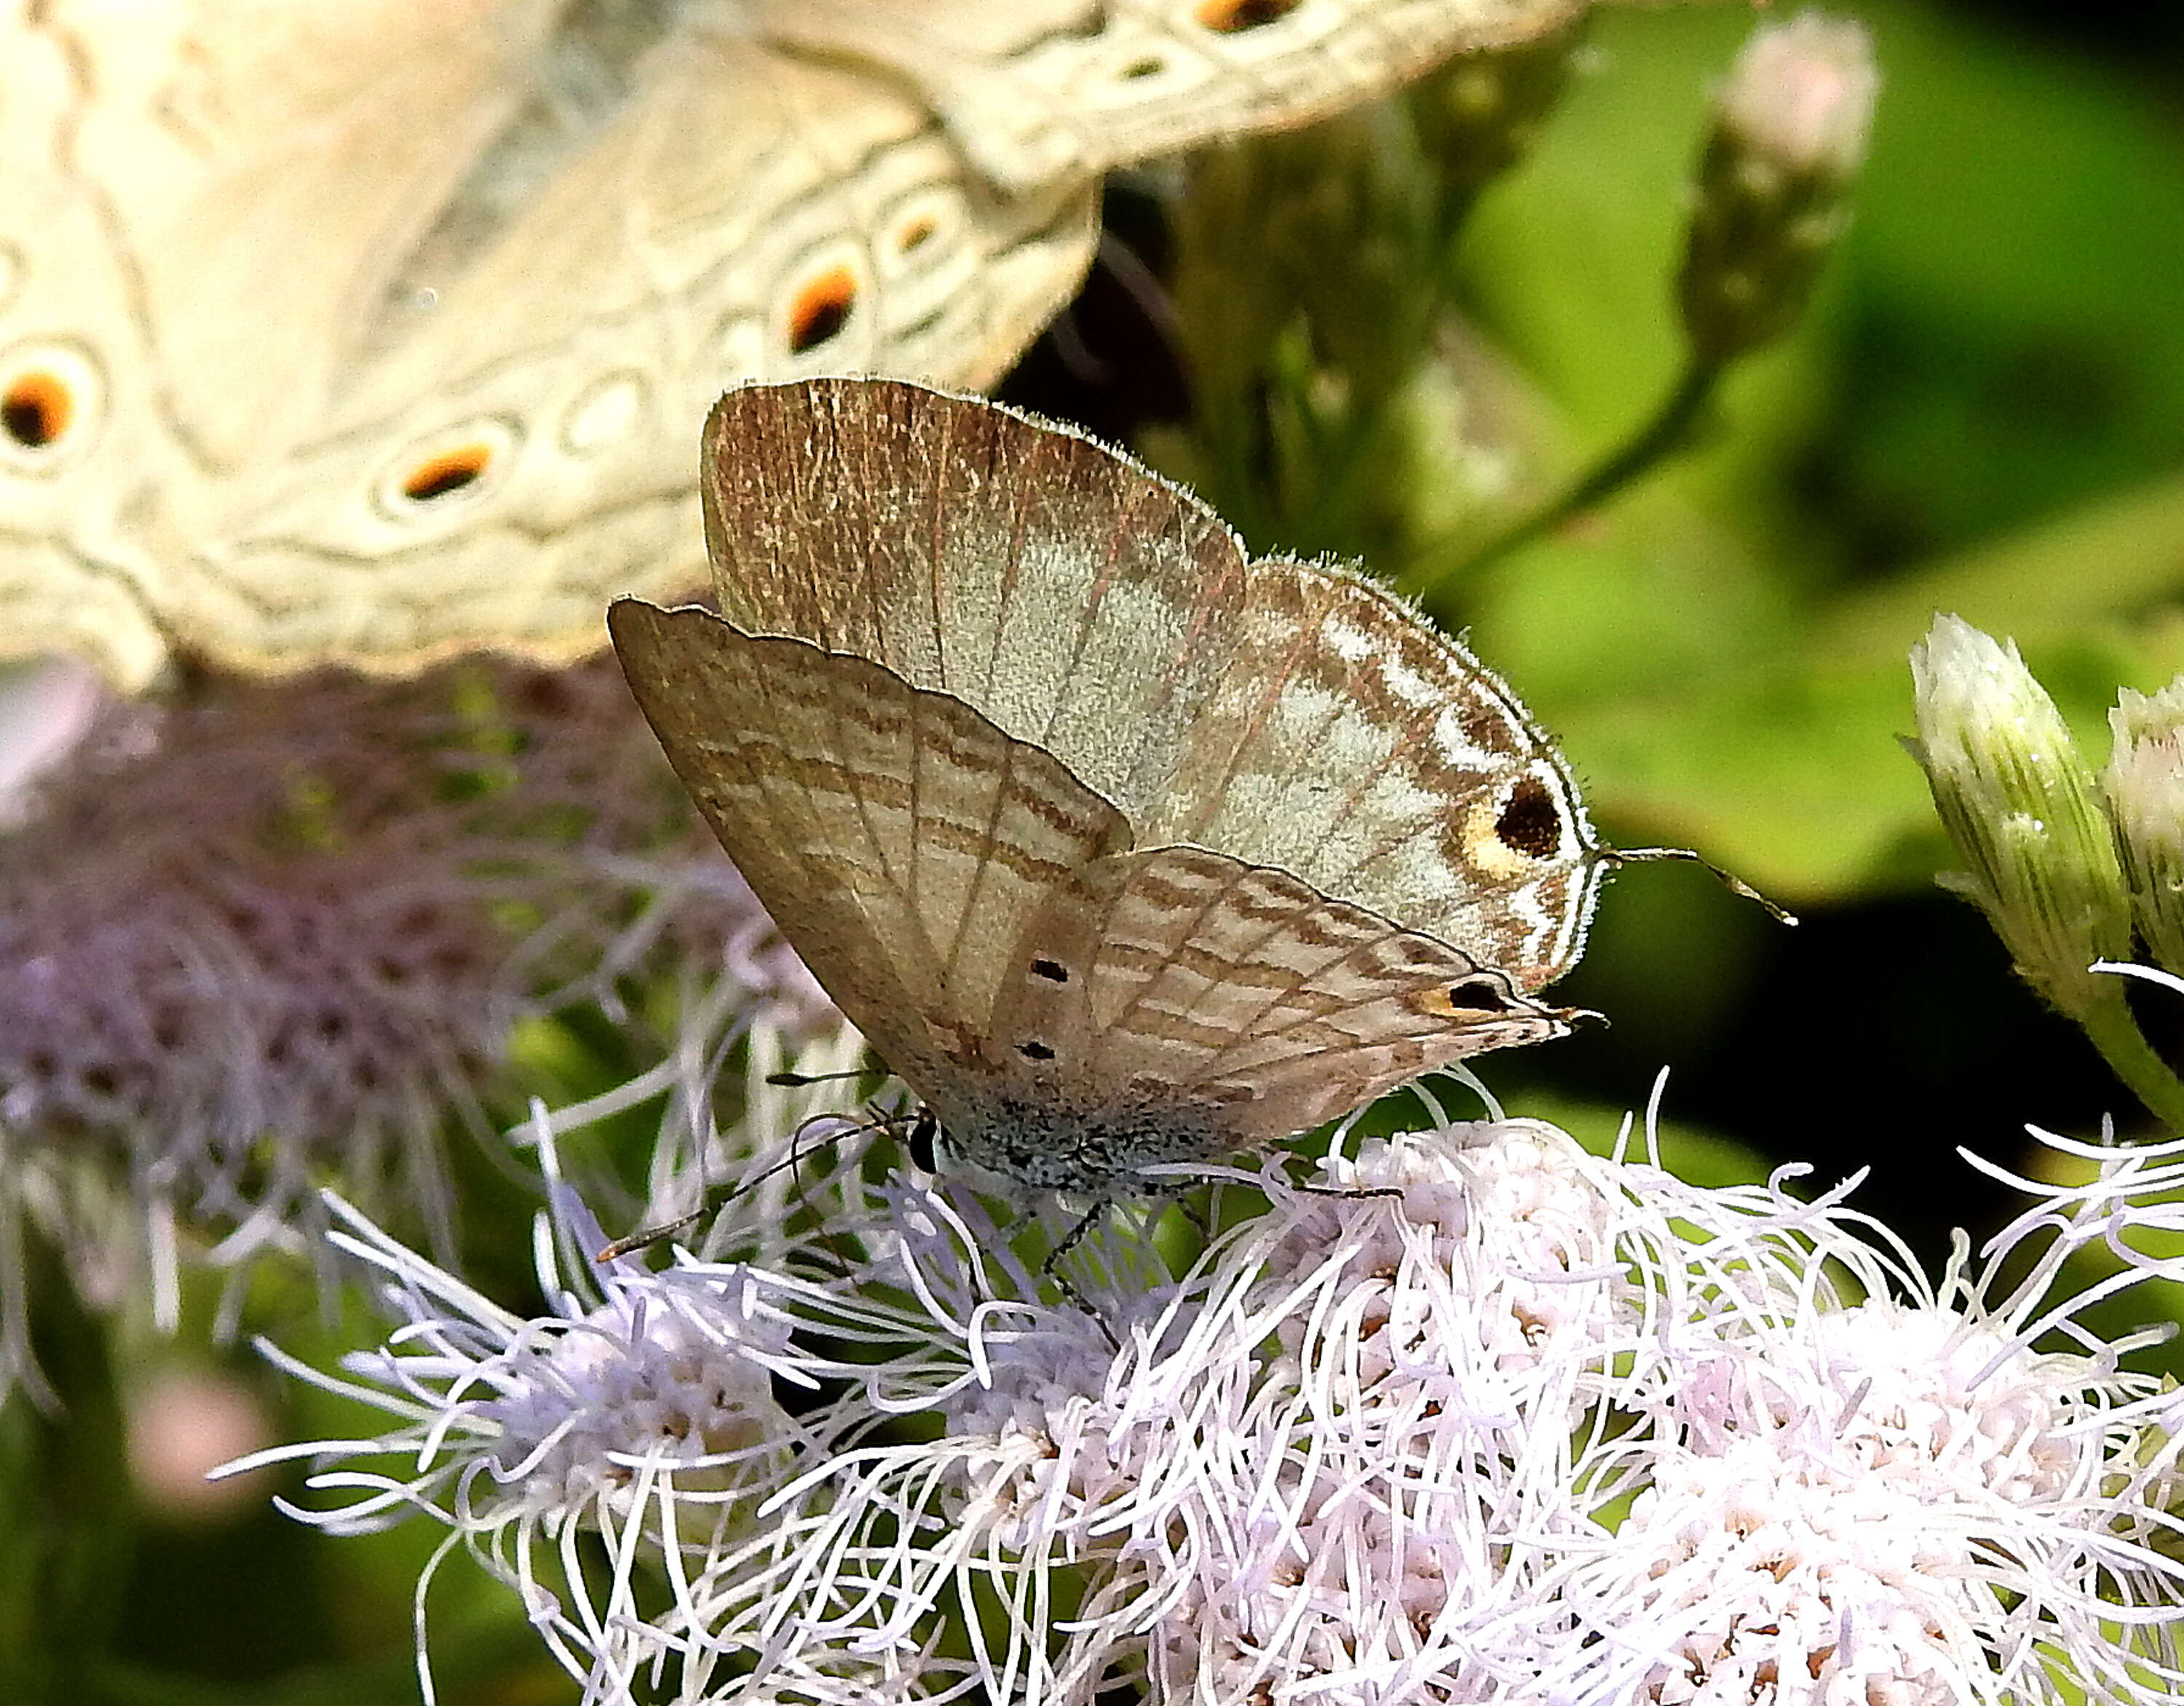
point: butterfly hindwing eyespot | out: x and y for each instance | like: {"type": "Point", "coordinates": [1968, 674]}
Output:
{"type": "Point", "coordinates": [444, 472]}
{"type": "Point", "coordinates": [1530, 822]}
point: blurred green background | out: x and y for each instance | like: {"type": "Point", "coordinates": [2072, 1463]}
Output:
{"type": "Point", "coordinates": [1984, 413]}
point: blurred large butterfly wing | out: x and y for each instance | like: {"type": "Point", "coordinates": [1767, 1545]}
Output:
{"type": "Point", "coordinates": [373, 332]}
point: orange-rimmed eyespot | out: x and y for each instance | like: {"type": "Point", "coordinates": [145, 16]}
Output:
{"type": "Point", "coordinates": [1465, 1000]}
{"type": "Point", "coordinates": [51, 395]}
{"type": "Point", "coordinates": [438, 476]}
{"type": "Point", "coordinates": [441, 473]}
{"type": "Point", "coordinates": [1232, 17]}
{"type": "Point", "coordinates": [822, 309]}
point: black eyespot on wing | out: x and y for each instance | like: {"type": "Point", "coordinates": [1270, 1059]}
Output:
{"type": "Point", "coordinates": [1053, 970]}
{"type": "Point", "coordinates": [1035, 1051]}
{"type": "Point", "coordinates": [449, 471]}
{"type": "Point", "coordinates": [1480, 995]}
{"type": "Point", "coordinates": [1531, 823]}
{"type": "Point", "coordinates": [36, 408]}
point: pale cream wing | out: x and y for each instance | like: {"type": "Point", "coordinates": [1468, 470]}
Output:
{"type": "Point", "coordinates": [1237, 998]}
{"type": "Point", "coordinates": [426, 300]}
{"type": "Point", "coordinates": [82, 443]}
{"type": "Point", "coordinates": [901, 841]}
{"type": "Point", "coordinates": [1042, 90]}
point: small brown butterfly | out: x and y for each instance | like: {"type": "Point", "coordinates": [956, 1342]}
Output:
{"type": "Point", "coordinates": [1121, 848]}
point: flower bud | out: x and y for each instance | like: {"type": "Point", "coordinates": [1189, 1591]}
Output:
{"type": "Point", "coordinates": [2024, 812]}
{"type": "Point", "coordinates": [1476, 117]}
{"type": "Point", "coordinates": [2145, 787]}
{"type": "Point", "coordinates": [1789, 135]}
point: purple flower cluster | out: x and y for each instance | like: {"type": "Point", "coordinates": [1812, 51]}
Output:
{"type": "Point", "coordinates": [269, 934]}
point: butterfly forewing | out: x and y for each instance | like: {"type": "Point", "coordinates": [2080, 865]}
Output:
{"type": "Point", "coordinates": [1069, 596]}
{"type": "Point", "coordinates": [1289, 715]}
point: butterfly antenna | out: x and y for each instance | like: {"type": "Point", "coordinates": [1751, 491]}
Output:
{"type": "Point", "coordinates": [1736, 885]}
{"type": "Point", "coordinates": [804, 1080]}
{"type": "Point", "coordinates": [667, 1229]}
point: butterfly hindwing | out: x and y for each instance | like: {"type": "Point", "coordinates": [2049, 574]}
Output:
{"type": "Point", "coordinates": [1042, 88]}
{"type": "Point", "coordinates": [899, 838]}
{"type": "Point", "coordinates": [1186, 976]}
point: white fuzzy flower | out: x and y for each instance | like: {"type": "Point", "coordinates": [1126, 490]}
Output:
{"type": "Point", "coordinates": [592, 1457]}
{"type": "Point", "coordinates": [1483, 1418]}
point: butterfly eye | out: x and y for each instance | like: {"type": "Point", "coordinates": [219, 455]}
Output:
{"type": "Point", "coordinates": [446, 470]}
{"type": "Point", "coordinates": [50, 395]}
{"type": "Point", "coordinates": [822, 309]}
{"type": "Point", "coordinates": [924, 1130]}
{"type": "Point", "coordinates": [1231, 17]}
{"type": "Point", "coordinates": [1530, 822]}
{"type": "Point", "coordinates": [915, 233]}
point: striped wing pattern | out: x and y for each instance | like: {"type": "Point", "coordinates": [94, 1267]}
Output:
{"type": "Point", "coordinates": [899, 838]}
{"type": "Point", "coordinates": [1121, 848]}
{"type": "Point", "coordinates": [1180, 975]}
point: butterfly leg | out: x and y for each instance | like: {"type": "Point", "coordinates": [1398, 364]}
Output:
{"type": "Point", "coordinates": [1051, 1267]}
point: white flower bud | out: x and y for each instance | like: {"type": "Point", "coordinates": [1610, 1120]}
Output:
{"type": "Point", "coordinates": [1790, 134]}
{"type": "Point", "coordinates": [2145, 788]}
{"type": "Point", "coordinates": [2024, 812]}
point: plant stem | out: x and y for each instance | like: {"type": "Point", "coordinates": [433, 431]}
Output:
{"type": "Point", "coordinates": [2133, 1059]}
{"type": "Point", "coordinates": [1666, 432]}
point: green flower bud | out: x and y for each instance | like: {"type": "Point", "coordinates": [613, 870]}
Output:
{"type": "Point", "coordinates": [2024, 812]}
{"type": "Point", "coordinates": [2145, 787]}
{"type": "Point", "coordinates": [1790, 134]}
{"type": "Point", "coordinates": [1477, 115]}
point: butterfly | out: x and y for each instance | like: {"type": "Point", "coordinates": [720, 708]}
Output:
{"type": "Point", "coordinates": [1123, 849]}
{"type": "Point", "coordinates": [372, 333]}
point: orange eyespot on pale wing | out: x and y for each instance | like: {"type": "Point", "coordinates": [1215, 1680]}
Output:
{"type": "Point", "coordinates": [1232, 17]}
{"type": "Point", "coordinates": [822, 309]}
{"type": "Point", "coordinates": [449, 471]}
{"type": "Point", "coordinates": [36, 408]}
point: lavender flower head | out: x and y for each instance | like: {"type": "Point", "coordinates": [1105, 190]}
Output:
{"type": "Point", "coordinates": [264, 935]}
{"type": "Point", "coordinates": [1478, 1418]}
